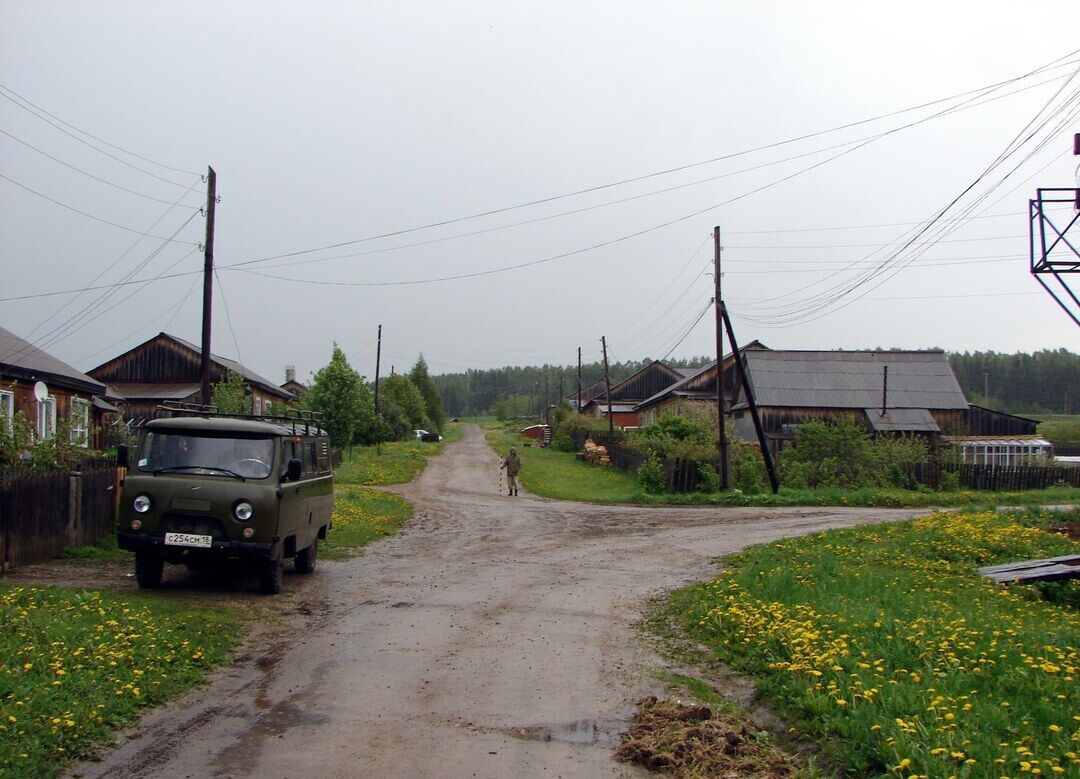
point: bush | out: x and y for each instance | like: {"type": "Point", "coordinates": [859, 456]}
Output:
{"type": "Point", "coordinates": [562, 442]}
{"type": "Point", "coordinates": [842, 454]}
{"type": "Point", "coordinates": [572, 423]}
{"type": "Point", "coordinates": [651, 477]}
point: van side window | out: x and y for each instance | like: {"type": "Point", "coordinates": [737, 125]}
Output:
{"type": "Point", "coordinates": [288, 452]}
{"type": "Point", "coordinates": [309, 457]}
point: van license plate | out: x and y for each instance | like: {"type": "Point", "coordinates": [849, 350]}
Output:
{"type": "Point", "coordinates": [188, 539]}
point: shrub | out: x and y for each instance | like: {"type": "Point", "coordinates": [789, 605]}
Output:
{"type": "Point", "coordinates": [562, 442]}
{"type": "Point", "coordinates": [572, 423]}
{"type": "Point", "coordinates": [651, 477]}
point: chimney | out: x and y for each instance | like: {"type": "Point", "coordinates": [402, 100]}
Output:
{"type": "Point", "coordinates": [290, 373]}
{"type": "Point", "coordinates": [884, 390]}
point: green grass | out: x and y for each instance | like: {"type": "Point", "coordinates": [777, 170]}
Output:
{"type": "Point", "coordinates": [104, 551]}
{"type": "Point", "coordinates": [1061, 428]}
{"type": "Point", "coordinates": [74, 665]}
{"type": "Point", "coordinates": [884, 645]}
{"type": "Point", "coordinates": [362, 515]}
{"type": "Point", "coordinates": [395, 462]}
{"type": "Point", "coordinates": [558, 475]}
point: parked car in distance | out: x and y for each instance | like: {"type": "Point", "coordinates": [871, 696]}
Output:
{"type": "Point", "coordinates": [431, 438]}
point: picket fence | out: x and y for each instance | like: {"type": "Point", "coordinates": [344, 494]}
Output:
{"type": "Point", "coordinates": [43, 512]}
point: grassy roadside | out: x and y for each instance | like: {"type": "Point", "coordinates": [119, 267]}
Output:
{"type": "Point", "coordinates": [883, 644]}
{"type": "Point", "coordinates": [559, 475]}
{"type": "Point", "coordinates": [363, 514]}
{"type": "Point", "coordinates": [75, 665]}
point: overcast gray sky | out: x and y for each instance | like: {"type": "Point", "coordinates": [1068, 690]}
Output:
{"type": "Point", "coordinates": [333, 122]}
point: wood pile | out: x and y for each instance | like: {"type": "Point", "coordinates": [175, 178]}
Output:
{"type": "Point", "coordinates": [597, 455]}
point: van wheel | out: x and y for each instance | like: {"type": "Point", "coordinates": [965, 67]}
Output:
{"type": "Point", "coordinates": [305, 559]}
{"type": "Point", "coordinates": [149, 566]}
{"type": "Point", "coordinates": [270, 580]}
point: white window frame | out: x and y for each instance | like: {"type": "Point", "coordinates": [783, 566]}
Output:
{"type": "Point", "coordinates": [46, 421]}
{"type": "Point", "coordinates": [80, 433]}
{"type": "Point", "coordinates": [257, 405]}
{"type": "Point", "coordinates": [7, 406]}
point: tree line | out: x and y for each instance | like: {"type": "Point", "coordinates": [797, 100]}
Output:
{"type": "Point", "coordinates": [1042, 382]}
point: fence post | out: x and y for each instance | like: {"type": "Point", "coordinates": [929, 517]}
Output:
{"type": "Point", "coordinates": [74, 526]}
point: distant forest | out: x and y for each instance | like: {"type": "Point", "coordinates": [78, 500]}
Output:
{"type": "Point", "coordinates": [1045, 382]}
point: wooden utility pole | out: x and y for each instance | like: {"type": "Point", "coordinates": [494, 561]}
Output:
{"type": "Point", "coordinates": [748, 391]}
{"type": "Point", "coordinates": [607, 381]}
{"type": "Point", "coordinates": [378, 357]}
{"type": "Point", "coordinates": [725, 470]}
{"type": "Point", "coordinates": [579, 379]}
{"type": "Point", "coordinates": [208, 283]}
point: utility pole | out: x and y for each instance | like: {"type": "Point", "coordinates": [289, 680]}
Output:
{"type": "Point", "coordinates": [378, 357]}
{"type": "Point", "coordinates": [607, 381]}
{"type": "Point", "coordinates": [208, 283]}
{"type": "Point", "coordinates": [725, 471]}
{"type": "Point", "coordinates": [547, 405]}
{"type": "Point", "coordinates": [986, 379]}
{"type": "Point", "coordinates": [579, 379]}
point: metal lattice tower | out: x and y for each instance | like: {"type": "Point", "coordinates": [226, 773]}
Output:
{"type": "Point", "coordinates": [1054, 252]}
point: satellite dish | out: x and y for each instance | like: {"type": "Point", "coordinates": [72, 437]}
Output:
{"type": "Point", "coordinates": [41, 392]}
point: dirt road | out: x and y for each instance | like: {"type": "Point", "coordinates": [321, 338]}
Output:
{"type": "Point", "coordinates": [493, 637]}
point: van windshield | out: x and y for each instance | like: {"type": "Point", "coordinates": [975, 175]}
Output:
{"type": "Point", "coordinates": [191, 452]}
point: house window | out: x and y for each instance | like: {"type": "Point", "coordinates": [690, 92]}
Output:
{"type": "Point", "coordinates": [46, 418]}
{"type": "Point", "coordinates": [7, 406]}
{"type": "Point", "coordinates": [257, 405]}
{"type": "Point", "coordinates": [80, 422]}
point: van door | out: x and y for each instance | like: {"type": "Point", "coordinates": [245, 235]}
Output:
{"type": "Point", "coordinates": [292, 516]}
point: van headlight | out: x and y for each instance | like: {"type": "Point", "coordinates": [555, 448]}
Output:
{"type": "Point", "coordinates": [141, 503]}
{"type": "Point", "coordinates": [243, 511]}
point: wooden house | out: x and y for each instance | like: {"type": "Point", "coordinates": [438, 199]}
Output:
{"type": "Point", "coordinates": [697, 388]}
{"type": "Point", "coordinates": [588, 392]}
{"type": "Point", "coordinates": [886, 392]}
{"type": "Point", "coordinates": [168, 368]}
{"type": "Point", "coordinates": [627, 394]}
{"type": "Point", "coordinates": [70, 394]}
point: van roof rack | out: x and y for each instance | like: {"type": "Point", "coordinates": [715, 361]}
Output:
{"type": "Point", "coordinates": [293, 416]}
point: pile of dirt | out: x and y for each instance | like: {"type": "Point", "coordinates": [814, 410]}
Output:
{"type": "Point", "coordinates": [693, 741]}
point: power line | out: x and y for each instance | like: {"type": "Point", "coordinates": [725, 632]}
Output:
{"type": "Point", "coordinates": [228, 317]}
{"type": "Point", "coordinates": [13, 97]}
{"type": "Point", "coordinates": [441, 223]}
{"type": "Point", "coordinates": [83, 172]}
{"type": "Point", "coordinates": [689, 330]}
{"type": "Point", "coordinates": [87, 213]}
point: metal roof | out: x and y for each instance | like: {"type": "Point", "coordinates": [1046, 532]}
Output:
{"type": "Point", "coordinates": [833, 379]}
{"type": "Point", "coordinates": [902, 420]}
{"type": "Point", "coordinates": [225, 425]}
{"type": "Point", "coordinates": [236, 367]}
{"type": "Point", "coordinates": [21, 359]}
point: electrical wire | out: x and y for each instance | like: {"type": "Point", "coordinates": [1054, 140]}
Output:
{"type": "Point", "coordinates": [84, 213]}
{"type": "Point", "coordinates": [981, 91]}
{"type": "Point", "coordinates": [12, 97]}
{"type": "Point", "coordinates": [83, 172]}
{"type": "Point", "coordinates": [228, 318]}
{"type": "Point", "coordinates": [689, 330]}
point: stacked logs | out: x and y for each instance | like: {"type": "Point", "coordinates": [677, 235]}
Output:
{"type": "Point", "coordinates": [597, 455]}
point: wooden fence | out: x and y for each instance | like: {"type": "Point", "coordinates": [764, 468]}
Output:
{"type": "Point", "coordinates": [989, 477]}
{"type": "Point", "coordinates": [41, 513]}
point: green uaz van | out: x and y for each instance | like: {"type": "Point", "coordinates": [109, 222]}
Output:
{"type": "Point", "coordinates": [211, 491]}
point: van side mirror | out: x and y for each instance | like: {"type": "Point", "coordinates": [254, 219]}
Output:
{"type": "Point", "coordinates": [294, 470]}
{"type": "Point", "coordinates": [122, 456]}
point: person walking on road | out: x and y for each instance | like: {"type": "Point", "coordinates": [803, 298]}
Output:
{"type": "Point", "coordinates": [512, 464]}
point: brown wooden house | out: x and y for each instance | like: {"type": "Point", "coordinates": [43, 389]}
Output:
{"type": "Point", "coordinates": [886, 392]}
{"type": "Point", "coordinates": [168, 368]}
{"type": "Point", "coordinates": [70, 394]}
{"type": "Point", "coordinates": [627, 394]}
{"type": "Point", "coordinates": [697, 388]}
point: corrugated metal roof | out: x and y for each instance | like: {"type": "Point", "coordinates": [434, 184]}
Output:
{"type": "Point", "coordinates": [20, 358]}
{"type": "Point", "coordinates": [827, 379]}
{"type": "Point", "coordinates": [157, 390]}
{"type": "Point", "coordinates": [902, 420]}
